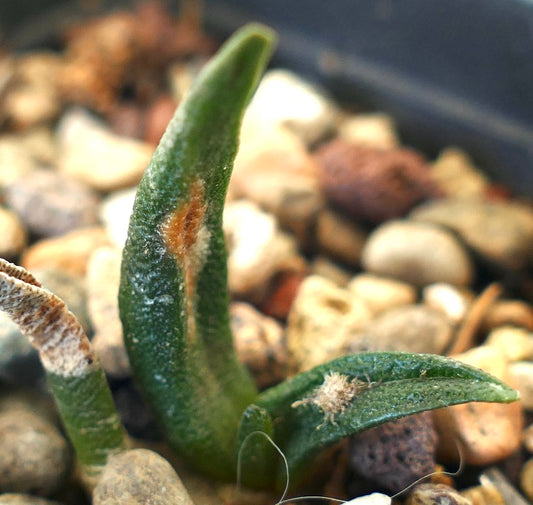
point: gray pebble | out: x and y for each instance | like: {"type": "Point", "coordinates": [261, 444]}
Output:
{"type": "Point", "coordinates": [417, 253]}
{"type": "Point", "coordinates": [35, 458]}
{"type": "Point", "coordinates": [412, 328]}
{"type": "Point", "coordinates": [50, 204]}
{"type": "Point", "coordinates": [139, 477]}
{"type": "Point", "coordinates": [501, 232]}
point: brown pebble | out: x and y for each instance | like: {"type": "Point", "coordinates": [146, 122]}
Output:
{"type": "Point", "coordinates": [139, 477]}
{"type": "Point", "coordinates": [373, 184]}
{"type": "Point", "coordinates": [480, 433]}
{"type": "Point", "coordinates": [509, 312]}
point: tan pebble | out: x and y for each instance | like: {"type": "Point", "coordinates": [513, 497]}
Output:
{"type": "Point", "coordinates": [15, 160]}
{"type": "Point", "coordinates": [509, 312]}
{"type": "Point", "coordinates": [339, 237]}
{"type": "Point", "coordinates": [370, 130]}
{"type": "Point", "coordinates": [35, 457]}
{"type": "Point", "coordinates": [457, 175]}
{"type": "Point", "coordinates": [485, 494]}
{"type": "Point", "coordinates": [115, 212]}
{"type": "Point", "coordinates": [258, 249]}
{"type": "Point", "coordinates": [417, 253]}
{"type": "Point", "coordinates": [283, 98]}
{"type": "Point", "coordinates": [321, 323]}
{"type": "Point", "coordinates": [515, 343]}
{"type": "Point", "coordinates": [24, 499]}
{"type": "Point", "coordinates": [89, 152]}
{"type": "Point", "coordinates": [325, 267]}
{"type": "Point", "coordinates": [521, 373]}
{"type": "Point", "coordinates": [410, 328]}
{"type": "Point", "coordinates": [138, 477]}
{"type": "Point", "coordinates": [447, 299]}
{"type": "Point", "coordinates": [381, 293]}
{"type": "Point", "coordinates": [69, 252]}
{"type": "Point", "coordinates": [260, 344]}
{"type": "Point", "coordinates": [436, 494]}
{"type": "Point", "coordinates": [13, 233]}
{"type": "Point", "coordinates": [526, 479]}
{"type": "Point", "coordinates": [103, 278]}
{"type": "Point", "coordinates": [483, 433]}
{"type": "Point", "coordinates": [274, 170]}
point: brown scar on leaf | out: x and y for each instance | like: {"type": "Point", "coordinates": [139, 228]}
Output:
{"type": "Point", "coordinates": [187, 239]}
{"type": "Point", "coordinates": [42, 316]}
{"type": "Point", "coordinates": [334, 395]}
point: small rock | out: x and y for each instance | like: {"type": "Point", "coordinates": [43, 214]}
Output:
{"type": "Point", "coordinates": [457, 176]}
{"type": "Point", "coordinates": [322, 322]}
{"type": "Point", "coordinates": [501, 232]}
{"type": "Point", "coordinates": [19, 360]}
{"type": "Point", "coordinates": [274, 170]}
{"type": "Point", "coordinates": [13, 233]}
{"type": "Point", "coordinates": [436, 494]}
{"type": "Point", "coordinates": [15, 160]}
{"type": "Point", "coordinates": [340, 237]}
{"type": "Point", "coordinates": [521, 373]}
{"type": "Point", "coordinates": [370, 130]}
{"type": "Point", "coordinates": [103, 279]}
{"type": "Point", "coordinates": [281, 295]}
{"type": "Point", "coordinates": [127, 120]}
{"type": "Point", "coordinates": [412, 328]}
{"type": "Point", "coordinates": [33, 99]}
{"type": "Point", "coordinates": [381, 293]}
{"type": "Point", "coordinates": [526, 479]}
{"type": "Point", "coordinates": [69, 252]}
{"type": "Point", "coordinates": [509, 312]}
{"type": "Point", "coordinates": [50, 204]}
{"type": "Point", "coordinates": [91, 153]}
{"type": "Point", "coordinates": [260, 344]}
{"type": "Point", "coordinates": [24, 499]}
{"type": "Point", "coordinates": [325, 267]}
{"type": "Point", "coordinates": [528, 438]}
{"type": "Point", "coordinates": [40, 144]}
{"type": "Point", "coordinates": [514, 343]}
{"type": "Point", "coordinates": [417, 253]}
{"type": "Point", "coordinates": [35, 457]}
{"type": "Point", "coordinates": [395, 454]}
{"type": "Point", "coordinates": [258, 250]}
{"type": "Point", "coordinates": [139, 477]}
{"type": "Point", "coordinates": [283, 98]}
{"type": "Point", "coordinates": [115, 212]}
{"type": "Point", "coordinates": [448, 299]}
{"type": "Point", "coordinates": [485, 494]}
{"type": "Point", "coordinates": [157, 118]}
{"type": "Point", "coordinates": [373, 185]}
{"type": "Point", "coordinates": [482, 433]}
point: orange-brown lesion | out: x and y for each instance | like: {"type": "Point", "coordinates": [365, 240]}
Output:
{"type": "Point", "coordinates": [184, 235]}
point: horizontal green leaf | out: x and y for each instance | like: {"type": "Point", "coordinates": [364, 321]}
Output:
{"type": "Point", "coordinates": [317, 408]}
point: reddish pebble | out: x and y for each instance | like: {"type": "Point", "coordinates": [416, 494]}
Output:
{"type": "Point", "coordinates": [282, 294]}
{"type": "Point", "coordinates": [157, 118]}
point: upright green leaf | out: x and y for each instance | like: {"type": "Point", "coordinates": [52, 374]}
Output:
{"type": "Point", "coordinates": [317, 408]}
{"type": "Point", "coordinates": [173, 294]}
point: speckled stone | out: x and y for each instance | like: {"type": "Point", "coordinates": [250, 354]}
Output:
{"type": "Point", "coordinates": [417, 253]}
{"type": "Point", "coordinates": [50, 204]}
{"type": "Point", "coordinates": [35, 457]}
{"type": "Point", "coordinates": [139, 477]}
{"type": "Point", "coordinates": [501, 232]}
{"type": "Point", "coordinates": [322, 322]}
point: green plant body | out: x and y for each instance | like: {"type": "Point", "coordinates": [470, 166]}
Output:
{"type": "Point", "coordinates": [174, 309]}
